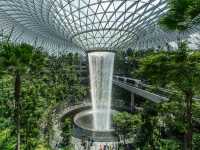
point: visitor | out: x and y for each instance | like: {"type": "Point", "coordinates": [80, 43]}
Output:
{"type": "Point", "coordinates": [107, 147]}
{"type": "Point", "coordinates": [110, 147]}
{"type": "Point", "coordinates": [104, 148]}
{"type": "Point", "coordinates": [101, 147]}
{"type": "Point", "coordinates": [91, 142]}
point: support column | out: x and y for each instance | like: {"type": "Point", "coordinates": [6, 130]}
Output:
{"type": "Point", "coordinates": [132, 102]}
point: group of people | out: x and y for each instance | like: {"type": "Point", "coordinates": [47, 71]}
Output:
{"type": "Point", "coordinates": [106, 147]}
{"type": "Point", "coordinates": [88, 144]}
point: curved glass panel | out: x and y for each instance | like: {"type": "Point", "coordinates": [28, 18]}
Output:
{"type": "Point", "coordinates": [74, 25]}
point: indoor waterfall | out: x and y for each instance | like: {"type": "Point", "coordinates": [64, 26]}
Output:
{"type": "Point", "coordinates": [101, 73]}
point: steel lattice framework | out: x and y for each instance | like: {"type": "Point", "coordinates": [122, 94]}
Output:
{"type": "Point", "coordinates": [75, 25]}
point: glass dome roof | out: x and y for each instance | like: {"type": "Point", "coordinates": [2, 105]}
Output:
{"type": "Point", "coordinates": [107, 24]}
{"type": "Point", "coordinates": [74, 25]}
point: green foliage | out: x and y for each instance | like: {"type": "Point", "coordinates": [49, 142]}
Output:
{"type": "Point", "coordinates": [42, 147]}
{"type": "Point", "coordinates": [21, 58]}
{"type": "Point", "coordinates": [6, 90]}
{"type": "Point", "coordinates": [179, 69]}
{"type": "Point", "coordinates": [126, 124]}
{"type": "Point", "coordinates": [124, 62]}
{"type": "Point", "coordinates": [7, 141]}
{"type": "Point", "coordinates": [17, 61]}
{"type": "Point", "coordinates": [177, 17]}
{"type": "Point", "coordinates": [179, 72]}
{"type": "Point", "coordinates": [180, 15]}
{"type": "Point", "coordinates": [45, 82]}
{"type": "Point", "coordinates": [66, 131]}
{"type": "Point", "coordinates": [169, 144]}
{"type": "Point", "coordinates": [196, 141]}
{"type": "Point", "coordinates": [63, 79]}
{"type": "Point", "coordinates": [148, 136]}
{"type": "Point", "coordinates": [172, 113]}
{"type": "Point", "coordinates": [194, 10]}
{"type": "Point", "coordinates": [196, 113]}
{"type": "Point", "coordinates": [69, 147]}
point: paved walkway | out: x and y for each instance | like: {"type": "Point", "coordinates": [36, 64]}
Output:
{"type": "Point", "coordinates": [60, 111]}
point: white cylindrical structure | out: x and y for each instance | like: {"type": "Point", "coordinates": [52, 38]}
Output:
{"type": "Point", "coordinates": [101, 73]}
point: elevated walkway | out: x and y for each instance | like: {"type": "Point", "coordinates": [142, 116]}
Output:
{"type": "Point", "coordinates": [137, 87]}
{"type": "Point", "coordinates": [139, 91]}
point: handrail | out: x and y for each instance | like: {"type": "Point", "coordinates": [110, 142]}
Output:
{"type": "Point", "coordinates": [140, 84]}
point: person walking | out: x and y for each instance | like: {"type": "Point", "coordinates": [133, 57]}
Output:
{"type": "Point", "coordinates": [104, 148]}
{"type": "Point", "coordinates": [101, 147]}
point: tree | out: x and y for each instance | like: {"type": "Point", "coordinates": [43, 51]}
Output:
{"type": "Point", "coordinates": [148, 135]}
{"type": "Point", "coordinates": [196, 141]}
{"type": "Point", "coordinates": [66, 131]}
{"type": "Point", "coordinates": [181, 15]}
{"type": "Point", "coordinates": [17, 60]}
{"type": "Point", "coordinates": [194, 11]}
{"type": "Point", "coordinates": [125, 124]}
{"type": "Point", "coordinates": [179, 71]}
{"type": "Point", "coordinates": [63, 78]}
{"type": "Point", "coordinates": [125, 62]}
{"type": "Point", "coordinates": [44, 82]}
{"type": "Point", "coordinates": [176, 18]}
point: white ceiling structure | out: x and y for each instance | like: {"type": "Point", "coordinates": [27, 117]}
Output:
{"type": "Point", "coordinates": [82, 25]}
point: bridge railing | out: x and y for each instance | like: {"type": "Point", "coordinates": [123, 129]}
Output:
{"type": "Point", "coordinates": [139, 84]}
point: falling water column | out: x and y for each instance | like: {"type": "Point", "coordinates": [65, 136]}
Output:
{"type": "Point", "coordinates": [101, 73]}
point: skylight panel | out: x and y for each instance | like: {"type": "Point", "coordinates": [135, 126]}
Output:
{"type": "Point", "coordinates": [105, 5]}
{"type": "Point", "coordinates": [122, 7]}
{"type": "Point", "coordinates": [116, 4]}
{"type": "Point", "coordinates": [141, 11]}
{"type": "Point", "coordinates": [100, 9]}
{"type": "Point", "coordinates": [64, 2]}
{"type": "Point", "coordinates": [83, 18]}
{"type": "Point", "coordinates": [81, 3]}
{"type": "Point", "coordinates": [155, 2]}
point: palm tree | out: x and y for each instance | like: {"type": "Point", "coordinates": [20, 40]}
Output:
{"type": "Point", "coordinates": [194, 11]}
{"type": "Point", "coordinates": [181, 15]}
{"type": "Point", "coordinates": [18, 61]}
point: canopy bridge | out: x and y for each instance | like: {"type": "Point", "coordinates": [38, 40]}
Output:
{"type": "Point", "coordinates": [137, 87]}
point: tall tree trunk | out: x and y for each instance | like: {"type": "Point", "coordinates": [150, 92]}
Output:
{"type": "Point", "coordinates": [188, 134]}
{"type": "Point", "coordinates": [17, 109]}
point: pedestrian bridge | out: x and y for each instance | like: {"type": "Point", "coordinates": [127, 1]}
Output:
{"type": "Point", "coordinates": [144, 90]}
